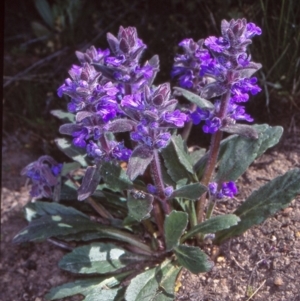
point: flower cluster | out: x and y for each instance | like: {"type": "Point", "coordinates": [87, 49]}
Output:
{"type": "Point", "coordinates": [222, 68]}
{"type": "Point", "coordinates": [228, 189]}
{"type": "Point", "coordinates": [44, 175]}
{"type": "Point", "coordinates": [112, 92]}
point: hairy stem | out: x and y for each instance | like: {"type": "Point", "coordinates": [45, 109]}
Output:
{"type": "Point", "coordinates": [213, 156]}
{"type": "Point", "coordinates": [158, 181]}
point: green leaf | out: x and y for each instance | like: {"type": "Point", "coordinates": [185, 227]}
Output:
{"type": "Point", "coordinates": [156, 284]}
{"type": "Point", "coordinates": [39, 209]}
{"type": "Point", "coordinates": [191, 191]}
{"type": "Point", "coordinates": [193, 259]}
{"type": "Point", "coordinates": [84, 287]}
{"type": "Point", "coordinates": [194, 98]}
{"type": "Point", "coordinates": [140, 204]}
{"type": "Point", "coordinates": [177, 161]}
{"type": "Point", "coordinates": [241, 152]}
{"type": "Point", "coordinates": [100, 258]}
{"type": "Point", "coordinates": [68, 191]}
{"type": "Point", "coordinates": [213, 225]}
{"type": "Point", "coordinates": [75, 153]}
{"type": "Point", "coordinates": [54, 225]}
{"type": "Point", "coordinates": [139, 160]}
{"type": "Point", "coordinates": [68, 167]}
{"type": "Point", "coordinates": [115, 177]}
{"type": "Point", "coordinates": [196, 155]}
{"type": "Point", "coordinates": [116, 294]}
{"type": "Point", "coordinates": [174, 225]}
{"type": "Point", "coordinates": [237, 153]}
{"type": "Point", "coordinates": [44, 10]}
{"type": "Point", "coordinates": [271, 137]}
{"type": "Point", "coordinates": [264, 202]}
{"type": "Point", "coordinates": [64, 116]}
{"type": "Point", "coordinates": [90, 182]}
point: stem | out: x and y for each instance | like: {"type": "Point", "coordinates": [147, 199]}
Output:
{"type": "Point", "coordinates": [213, 156]}
{"type": "Point", "coordinates": [158, 181]}
{"type": "Point", "coordinates": [210, 209]}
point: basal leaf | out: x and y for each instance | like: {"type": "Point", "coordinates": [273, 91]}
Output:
{"type": "Point", "coordinates": [190, 191]}
{"type": "Point", "coordinates": [84, 286]}
{"type": "Point", "coordinates": [140, 204]}
{"type": "Point", "coordinates": [114, 177]}
{"type": "Point", "coordinates": [175, 224]}
{"type": "Point", "coordinates": [38, 209]}
{"type": "Point", "coordinates": [194, 98]}
{"type": "Point", "coordinates": [90, 182]}
{"type": "Point", "coordinates": [75, 153]}
{"type": "Point", "coordinates": [54, 225]}
{"type": "Point", "coordinates": [264, 202]}
{"type": "Point", "coordinates": [213, 225]}
{"type": "Point", "coordinates": [193, 259]}
{"type": "Point", "coordinates": [100, 258]}
{"type": "Point", "coordinates": [140, 158]}
{"type": "Point", "coordinates": [155, 284]}
{"type": "Point", "coordinates": [115, 294]}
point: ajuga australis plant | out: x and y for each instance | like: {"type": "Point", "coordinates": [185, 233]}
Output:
{"type": "Point", "coordinates": [135, 202]}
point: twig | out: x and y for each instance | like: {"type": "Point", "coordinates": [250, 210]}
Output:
{"type": "Point", "coordinates": [40, 62]}
{"type": "Point", "coordinates": [256, 290]}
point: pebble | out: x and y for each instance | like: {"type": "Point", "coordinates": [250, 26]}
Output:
{"type": "Point", "coordinates": [287, 211]}
{"type": "Point", "coordinates": [278, 281]}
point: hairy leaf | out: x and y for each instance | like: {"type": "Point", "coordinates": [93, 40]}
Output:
{"type": "Point", "coordinates": [191, 191]}
{"type": "Point", "coordinates": [89, 183]}
{"type": "Point", "coordinates": [64, 116]}
{"type": "Point", "coordinates": [155, 284]}
{"type": "Point", "coordinates": [193, 259]}
{"type": "Point", "coordinates": [75, 153]}
{"type": "Point", "coordinates": [175, 224]}
{"type": "Point", "coordinates": [265, 201]}
{"type": "Point", "coordinates": [68, 167]}
{"type": "Point", "coordinates": [213, 225]}
{"type": "Point", "coordinates": [84, 287]}
{"type": "Point", "coordinates": [139, 204]}
{"type": "Point", "coordinates": [38, 209]}
{"type": "Point", "coordinates": [100, 258]}
{"type": "Point", "coordinates": [194, 98]}
{"type": "Point", "coordinates": [140, 158]}
{"type": "Point", "coordinates": [114, 177]}
{"type": "Point", "coordinates": [54, 225]}
{"type": "Point", "coordinates": [245, 130]}
{"type": "Point", "coordinates": [241, 152]}
{"type": "Point", "coordinates": [177, 161]}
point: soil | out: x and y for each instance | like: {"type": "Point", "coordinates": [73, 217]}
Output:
{"type": "Point", "coordinates": [261, 265]}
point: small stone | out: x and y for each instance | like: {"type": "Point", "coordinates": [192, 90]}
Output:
{"type": "Point", "coordinates": [273, 238]}
{"type": "Point", "coordinates": [221, 259]}
{"type": "Point", "coordinates": [287, 211]}
{"type": "Point", "coordinates": [278, 281]}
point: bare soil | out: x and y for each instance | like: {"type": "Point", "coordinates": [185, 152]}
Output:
{"type": "Point", "coordinates": [261, 265]}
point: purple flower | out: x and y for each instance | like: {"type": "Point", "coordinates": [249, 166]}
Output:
{"type": "Point", "coordinates": [199, 115]}
{"type": "Point", "coordinates": [217, 44]}
{"type": "Point", "coordinates": [177, 118]}
{"type": "Point", "coordinates": [213, 188]}
{"type": "Point", "coordinates": [252, 30]}
{"type": "Point", "coordinates": [168, 191]}
{"type": "Point", "coordinates": [152, 189]}
{"type": "Point", "coordinates": [44, 175]}
{"type": "Point", "coordinates": [212, 125]}
{"type": "Point", "coordinates": [229, 189]}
